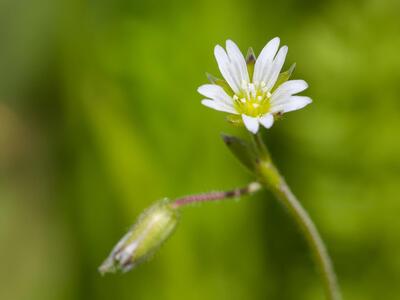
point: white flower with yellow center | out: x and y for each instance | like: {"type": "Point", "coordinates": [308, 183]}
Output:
{"type": "Point", "coordinates": [254, 89]}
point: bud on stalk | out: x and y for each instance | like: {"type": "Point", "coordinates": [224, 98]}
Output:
{"type": "Point", "coordinates": [151, 229]}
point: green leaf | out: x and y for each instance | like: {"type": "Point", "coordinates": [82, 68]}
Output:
{"type": "Point", "coordinates": [243, 151]}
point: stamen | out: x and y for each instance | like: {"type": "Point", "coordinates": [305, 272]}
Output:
{"type": "Point", "coordinates": [252, 90]}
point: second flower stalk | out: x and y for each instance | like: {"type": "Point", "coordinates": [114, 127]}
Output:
{"type": "Point", "coordinates": [155, 225]}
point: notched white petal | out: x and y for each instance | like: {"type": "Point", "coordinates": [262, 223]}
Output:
{"type": "Point", "coordinates": [277, 67]}
{"type": "Point", "coordinates": [226, 69]}
{"type": "Point", "coordinates": [215, 92]}
{"type": "Point", "coordinates": [262, 66]}
{"type": "Point", "coordinates": [237, 60]}
{"type": "Point", "coordinates": [291, 87]}
{"type": "Point", "coordinates": [267, 120]}
{"type": "Point", "coordinates": [220, 55]}
{"type": "Point", "coordinates": [219, 106]}
{"type": "Point", "coordinates": [206, 90]}
{"type": "Point", "coordinates": [251, 123]}
{"type": "Point", "coordinates": [291, 104]}
{"type": "Point", "coordinates": [287, 89]}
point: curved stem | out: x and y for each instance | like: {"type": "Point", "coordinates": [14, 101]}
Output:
{"type": "Point", "coordinates": [215, 196]}
{"type": "Point", "coordinates": [272, 179]}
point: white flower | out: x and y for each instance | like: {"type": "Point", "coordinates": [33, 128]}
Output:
{"type": "Point", "coordinates": [255, 97]}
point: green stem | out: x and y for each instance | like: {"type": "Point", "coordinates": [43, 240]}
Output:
{"type": "Point", "coordinates": [270, 177]}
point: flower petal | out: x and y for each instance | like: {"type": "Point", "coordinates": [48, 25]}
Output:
{"type": "Point", "coordinates": [264, 60]}
{"type": "Point", "coordinates": [226, 68]}
{"type": "Point", "coordinates": [292, 103]}
{"type": "Point", "coordinates": [276, 67]}
{"type": "Point", "coordinates": [218, 106]}
{"type": "Point", "coordinates": [215, 92]}
{"type": "Point", "coordinates": [251, 123]}
{"type": "Point", "coordinates": [237, 60]}
{"type": "Point", "coordinates": [267, 120]}
{"type": "Point", "coordinates": [288, 89]}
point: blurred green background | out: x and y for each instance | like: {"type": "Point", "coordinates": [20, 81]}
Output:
{"type": "Point", "coordinates": [99, 117]}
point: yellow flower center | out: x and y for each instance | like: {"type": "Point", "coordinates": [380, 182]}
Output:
{"type": "Point", "coordinates": [253, 99]}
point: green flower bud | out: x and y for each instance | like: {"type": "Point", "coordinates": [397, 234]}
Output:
{"type": "Point", "coordinates": [151, 229]}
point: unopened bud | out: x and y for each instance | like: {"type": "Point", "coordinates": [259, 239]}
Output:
{"type": "Point", "coordinates": [152, 228]}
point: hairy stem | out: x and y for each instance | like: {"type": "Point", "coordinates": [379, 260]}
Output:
{"type": "Point", "coordinates": [215, 196]}
{"type": "Point", "coordinates": [270, 177]}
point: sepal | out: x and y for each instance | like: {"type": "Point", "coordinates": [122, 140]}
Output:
{"type": "Point", "coordinates": [218, 81]}
{"type": "Point", "coordinates": [284, 76]}
{"type": "Point", "coordinates": [250, 61]}
{"type": "Point", "coordinates": [250, 57]}
{"type": "Point", "coordinates": [235, 120]}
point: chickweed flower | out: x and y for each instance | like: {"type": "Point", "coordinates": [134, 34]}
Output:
{"type": "Point", "coordinates": [254, 89]}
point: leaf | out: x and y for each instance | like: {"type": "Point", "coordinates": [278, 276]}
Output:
{"type": "Point", "coordinates": [243, 151]}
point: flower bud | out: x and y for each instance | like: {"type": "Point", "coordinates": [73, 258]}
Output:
{"type": "Point", "coordinates": [152, 228]}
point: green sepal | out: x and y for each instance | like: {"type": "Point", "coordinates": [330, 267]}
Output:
{"type": "Point", "coordinates": [243, 151]}
{"type": "Point", "coordinates": [284, 76]}
{"type": "Point", "coordinates": [235, 120]}
{"type": "Point", "coordinates": [250, 61]}
{"type": "Point", "coordinates": [250, 56]}
{"type": "Point", "coordinates": [222, 83]}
